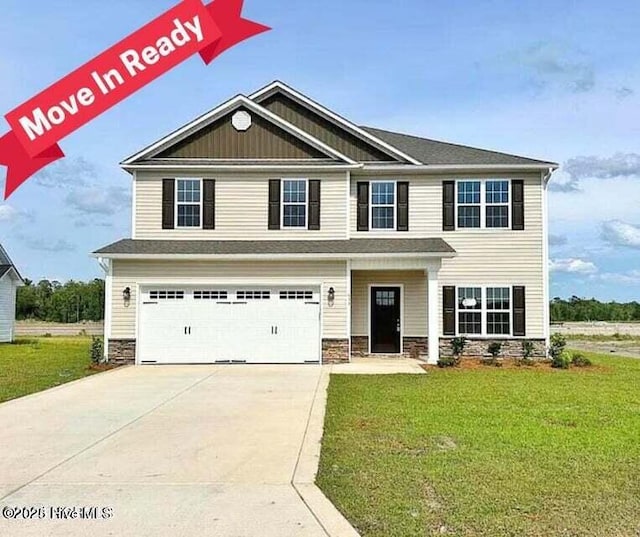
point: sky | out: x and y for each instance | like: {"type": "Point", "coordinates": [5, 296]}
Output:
{"type": "Point", "coordinates": [555, 80]}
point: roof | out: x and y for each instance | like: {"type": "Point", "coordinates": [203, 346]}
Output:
{"type": "Point", "coordinates": [403, 148]}
{"type": "Point", "coordinates": [6, 265]}
{"type": "Point", "coordinates": [419, 247]}
{"type": "Point", "coordinates": [435, 152]}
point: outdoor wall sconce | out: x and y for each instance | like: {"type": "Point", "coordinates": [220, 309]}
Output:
{"type": "Point", "coordinates": [126, 294]}
{"type": "Point", "coordinates": [332, 294]}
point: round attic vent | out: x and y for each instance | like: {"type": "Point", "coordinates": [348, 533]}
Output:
{"type": "Point", "coordinates": [241, 120]}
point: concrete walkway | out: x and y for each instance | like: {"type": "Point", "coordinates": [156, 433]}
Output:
{"type": "Point", "coordinates": [170, 450]}
{"type": "Point", "coordinates": [380, 366]}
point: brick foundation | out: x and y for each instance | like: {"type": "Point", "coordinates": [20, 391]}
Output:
{"type": "Point", "coordinates": [511, 348]}
{"type": "Point", "coordinates": [412, 347]}
{"type": "Point", "coordinates": [122, 351]}
{"type": "Point", "coordinates": [335, 351]}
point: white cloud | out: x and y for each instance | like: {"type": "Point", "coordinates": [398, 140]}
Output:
{"type": "Point", "coordinates": [99, 200]}
{"type": "Point", "coordinates": [44, 245]}
{"type": "Point", "coordinates": [620, 233]}
{"type": "Point", "coordinates": [66, 172]}
{"type": "Point", "coordinates": [8, 213]}
{"type": "Point", "coordinates": [555, 64]}
{"type": "Point", "coordinates": [631, 277]}
{"type": "Point", "coordinates": [557, 240]}
{"type": "Point", "coordinates": [572, 266]}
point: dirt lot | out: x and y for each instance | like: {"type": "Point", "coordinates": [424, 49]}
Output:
{"type": "Point", "coordinates": [614, 338]}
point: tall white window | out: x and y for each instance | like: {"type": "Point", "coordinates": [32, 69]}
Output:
{"type": "Point", "coordinates": [484, 311]}
{"type": "Point", "coordinates": [383, 205]}
{"type": "Point", "coordinates": [188, 202]}
{"type": "Point", "coordinates": [294, 203]}
{"type": "Point", "coordinates": [483, 203]}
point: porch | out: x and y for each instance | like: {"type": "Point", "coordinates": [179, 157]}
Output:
{"type": "Point", "coordinates": [394, 309]}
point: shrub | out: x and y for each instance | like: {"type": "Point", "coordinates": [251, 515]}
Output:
{"type": "Point", "coordinates": [494, 349]}
{"type": "Point", "coordinates": [48, 334]}
{"type": "Point", "coordinates": [561, 360]}
{"type": "Point", "coordinates": [558, 343]}
{"type": "Point", "coordinates": [96, 351]}
{"type": "Point", "coordinates": [580, 360]}
{"type": "Point", "coordinates": [527, 349]}
{"type": "Point", "coordinates": [448, 361]}
{"type": "Point", "coordinates": [457, 345]}
{"type": "Point", "coordinates": [494, 361]}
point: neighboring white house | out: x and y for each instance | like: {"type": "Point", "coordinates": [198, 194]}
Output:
{"type": "Point", "coordinates": [271, 229]}
{"type": "Point", "coordinates": [10, 280]}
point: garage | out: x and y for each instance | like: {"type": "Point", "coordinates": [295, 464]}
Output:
{"type": "Point", "coordinates": [223, 324]}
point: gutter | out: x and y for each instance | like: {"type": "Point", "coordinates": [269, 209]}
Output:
{"type": "Point", "coordinates": [466, 167]}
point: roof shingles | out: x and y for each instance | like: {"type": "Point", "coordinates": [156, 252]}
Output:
{"type": "Point", "coordinates": [293, 247]}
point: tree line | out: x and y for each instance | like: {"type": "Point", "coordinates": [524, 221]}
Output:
{"type": "Point", "coordinates": [84, 301]}
{"type": "Point", "coordinates": [53, 301]}
{"type": "Point", "coordinates": [590, 309]}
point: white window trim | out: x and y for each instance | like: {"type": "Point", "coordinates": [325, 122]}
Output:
{"type": "Point", "coordinates": [483, 312]}
{"type": "Point", "coordinates": [200, 203]}
{"type": "Point", "coordinates": [483, 204]}
{"type": "Point", "coordinates": [394, 206]}
{"type": "Point", "coordinates": [306, 204]}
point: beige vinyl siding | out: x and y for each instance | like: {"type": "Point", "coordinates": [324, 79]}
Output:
{"type": "Point", "coordinates": [414, 295]}
{"type": "Point", "coordinates": [241, 208]}
{"type": "Point", "coordinates": [485, 257]}
{"type": "Point", "coordinates": [169, 272]}
{"type": "Point", "coordinates": [7, 307]}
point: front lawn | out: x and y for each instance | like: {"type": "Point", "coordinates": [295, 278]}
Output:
{"type": "Point", "coordinates": [34, 364]}
{"type": "Point", "coordinates": [487, 452]}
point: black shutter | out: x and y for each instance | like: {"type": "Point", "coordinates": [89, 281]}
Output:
{"type": "Point", "coordinates": [363, 206]}
{"type": "Point", "coordinates": [209, 204]}
{"type": "Point", "coordinates": [517, 204]}
{"type": "Point", "coordinates": [168, 203]}
{"type": "Point", "coordinates": [519, 311]}
{"type": "Point", "coordinates": [274, 203]}
{"type": "Point", "coordinates": [449, 310]}
{"type": "Point", "coordinates": [448, 208]}
{"type": "Point", "coordinates": [403, 206]}
{"type": "Point", "coordinates": [314, 205]}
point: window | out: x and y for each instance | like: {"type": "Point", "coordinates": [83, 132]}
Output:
{"type": "Point", "coordinates": [166, 295]}
{"type": "Point", "coordinates": [253, 295]}
{"type": "Point", "coordinates": [210, 295]}
{"type": "Point", "coordinates": [498, 310]}
{"type": "Point", "coordinates": [188, 202]}
{"type": "Point", "coordinates": [483, 204]}
{"type": "Point", "coordinates": [383, 205]}
{"type": "Point", "coordinates": [469, 310]}
{"type": "Point", "coordinates": [385, 298]}
{"type": "Point", "coordinates": [296, 295]}
{"type": "Point", "coordinates": [294, 203]}
{"type": "Point", "coordinates": [497, 201]}
{"type": "Point", "coordinates": [484, 311]}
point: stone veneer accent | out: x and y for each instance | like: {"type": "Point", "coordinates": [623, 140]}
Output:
{"type": "Point", "coordinates": [122, 351]}
{"type": "Point", "coordinates": [511, 348]}
{"type": "Point", "coordinates": [335, 351]}
{"type": "Point", "coordinates": [412, 347]}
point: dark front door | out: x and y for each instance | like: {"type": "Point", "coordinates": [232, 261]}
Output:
{"type": "Point", "coordinates": [385, 319]}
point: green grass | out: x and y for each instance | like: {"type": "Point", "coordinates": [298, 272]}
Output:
{"type": "Point", "coordinates": [487, 452]}
{"type": "Point", "coordinates": [35, 364]}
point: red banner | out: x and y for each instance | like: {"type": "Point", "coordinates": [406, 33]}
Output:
{"type": "Point", "coordinates": [40, 123]}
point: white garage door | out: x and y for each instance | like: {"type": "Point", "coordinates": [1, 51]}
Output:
{"type": "Point", "coordinates": [229, 324]}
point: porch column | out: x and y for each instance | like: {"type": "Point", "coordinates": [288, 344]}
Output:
{"type": "Point", "coordinates": [433, 331]}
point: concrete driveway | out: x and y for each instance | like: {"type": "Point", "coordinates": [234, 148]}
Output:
{"type": "Point", "coordinates": [168, 450]}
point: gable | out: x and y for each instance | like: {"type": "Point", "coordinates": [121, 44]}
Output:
{"type": "Point", "coordinates": [323, 129]}
{"type": "Point", "coordinates": [263, 140]}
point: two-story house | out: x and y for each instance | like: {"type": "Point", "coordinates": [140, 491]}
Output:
{"type": "Point", "coordinates": [273, 230]}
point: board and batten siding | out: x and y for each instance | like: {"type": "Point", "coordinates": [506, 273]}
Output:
{"type": "Point", "coordinates": [414, 299]}
{"type": "Point", "coordinates": [244, 273]}
{"type": "Point", "coordinates": [485, 257]}
{"type": "Point", "coordinates": [241, 208]}
{"type": "Point", "coordinates": [7, 308]}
